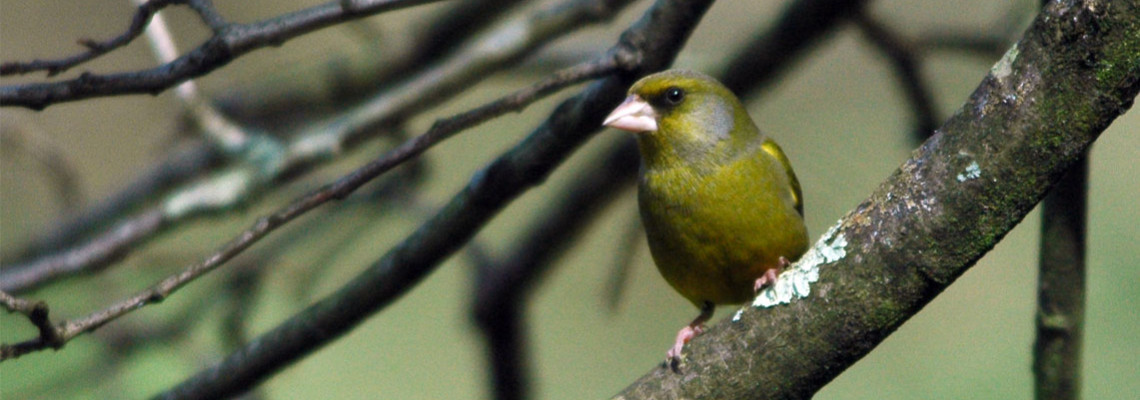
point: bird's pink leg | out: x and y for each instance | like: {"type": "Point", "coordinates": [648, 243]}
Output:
{"type": "Point", "coordinates": [769, 277]}
{"type": "Point", "coordinates": [688, 333]}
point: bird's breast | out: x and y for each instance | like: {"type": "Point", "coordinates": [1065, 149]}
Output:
{"type": "Point", "coordinates": [713, 232]}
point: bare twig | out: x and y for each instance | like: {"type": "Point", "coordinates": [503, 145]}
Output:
{"type": "Point", "coordinates": [146, 10]}
{"type": "Point", "coordinates": [37, 313]}
{"type": "Point", "coordinates": [228, 43]}
{"type": "Point", "coordinates": [439, 131]}
{"type": "Point", "coordinates": [1061, 287]}
{"type": "Point", "coordinates": [649, 45]}
{"type": "Point", "coordinates": [120, 342]}
{"type": "Point", "coordinates": [224, 133]}
{"type": "Point", "coordinates": [905, 58]}
{"type": "Point", "coordinates": [190, 162]}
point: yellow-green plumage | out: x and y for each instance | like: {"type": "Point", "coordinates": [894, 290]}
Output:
{"type": "Point", "coordinates": [719, 201]}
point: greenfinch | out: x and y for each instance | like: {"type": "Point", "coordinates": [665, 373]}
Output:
{"type": "Point", "coordinates": [721, 206]}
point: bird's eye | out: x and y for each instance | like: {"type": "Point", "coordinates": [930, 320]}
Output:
{"type": "Point", "coordinates": [674, 95]}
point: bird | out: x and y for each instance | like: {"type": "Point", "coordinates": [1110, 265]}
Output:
{"type": "Point", "coordinates": [721, 207]}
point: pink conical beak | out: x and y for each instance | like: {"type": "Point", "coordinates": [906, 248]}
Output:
{"type": "Point", "coordinates": [634, 115]}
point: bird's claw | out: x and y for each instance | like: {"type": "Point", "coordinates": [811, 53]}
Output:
{"type": "Point", "coordinates": [673, 356]}
{"type": "Point", "coordinates": [769, 277]}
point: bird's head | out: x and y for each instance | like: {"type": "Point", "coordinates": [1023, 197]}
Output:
{"type": "Point", "coordinates": [683, 113]}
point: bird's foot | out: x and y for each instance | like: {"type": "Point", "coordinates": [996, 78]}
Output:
{"type": "Point", "coordinates": [673, 356]}
{"type": "Point", "coordinates": [769, 277]}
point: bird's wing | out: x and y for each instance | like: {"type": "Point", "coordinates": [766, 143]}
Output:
{"type": "Point", "coordinates": [774, 150]}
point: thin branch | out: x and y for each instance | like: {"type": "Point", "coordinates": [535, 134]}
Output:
{"type": "Point", "coordinates": [118, 343]}
{"type": "Point", "coordinates": [224, 133]}
{"type": "Point", "coordinates": [501, 289]}
{"type": "Point", "coordinates": [142, 17]}
{"type": "Point", "coordinates": [344, 186]}
{"type": "Point", "coordinates": [230, 42]}
{"type": "Point", "coordinates": [905, 58]}
{"type": "Point", "coordinates": [1031, 119]}
{"type": "Point", "coordinates": [1061, 287]}
{"type": "Point", "coordinates": [652, 43]}
{"type": "Point", "coordinates": [37, 313]}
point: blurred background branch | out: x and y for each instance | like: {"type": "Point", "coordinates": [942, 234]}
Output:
{"type": "Point", "coordinates": [1061, 287]}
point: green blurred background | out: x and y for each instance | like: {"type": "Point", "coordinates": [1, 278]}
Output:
{"type": "Point", "coordinates": [839, 114]}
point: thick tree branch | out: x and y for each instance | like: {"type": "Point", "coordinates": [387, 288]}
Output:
{"type": "Point", "coordinates": [652, 43]}
{"type": "Point", "coordinates": [1074, 72]}
{"type": "Point", "coordinates": [228, 43]}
